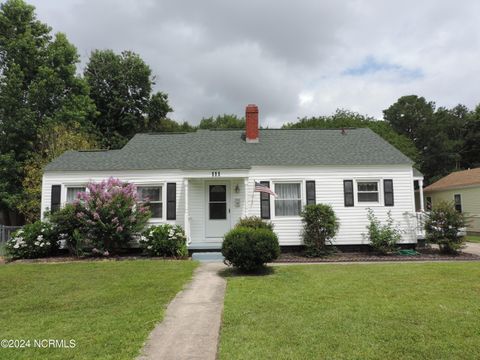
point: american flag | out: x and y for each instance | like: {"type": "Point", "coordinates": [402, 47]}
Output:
{"type": "Point", "coordinates": [265, 189]}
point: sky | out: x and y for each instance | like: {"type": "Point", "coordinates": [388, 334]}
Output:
{"type": "Point", "coordinates": [291, 58]}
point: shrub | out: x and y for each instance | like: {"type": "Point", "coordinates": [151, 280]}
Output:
{"type": "Point", "coordinates": [250, 248]}
{"type": "Point", "coordinates": [320, 224]}
{"type": "Point", "coordinates": [67, 228]}
{"type": "Point", "coordinates": [110, 214]}
{"type": "Point", "coordinates": [443, 226]}
{"type": "Point", "coordinates": [32, 241]}
{"type": "Point", "coordinates": [164, 240]}
{"type": "Point", "coordinates": [254, 222]}
{"type": "Point", "coordinates": [383, 238]}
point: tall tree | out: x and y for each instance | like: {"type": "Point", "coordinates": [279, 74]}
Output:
{"type": "Point", "coordinates": [38, 87]}
{"type": "Point", "coordinates": [471, 146]}
{"type": "Point", "coordinates": [121, 87]}
{"type": "Point", "coordinates": [408, 115]}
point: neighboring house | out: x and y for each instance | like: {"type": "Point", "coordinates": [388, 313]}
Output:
{"type": "Point", "coordinates": [462, 188]}
{"type": "Point", "coordinates": [205, 180]}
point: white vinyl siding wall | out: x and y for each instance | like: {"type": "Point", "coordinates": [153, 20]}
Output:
{"type": "Point", "coordinates": [328, 189]}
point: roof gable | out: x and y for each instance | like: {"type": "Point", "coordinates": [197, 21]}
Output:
{"type": "Point", "coordinates": [227, 149]}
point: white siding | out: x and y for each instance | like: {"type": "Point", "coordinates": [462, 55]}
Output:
{"type": "Point", "coordinates": [137, 177]}
{"type": "Point", "coordinates": [329, 190]}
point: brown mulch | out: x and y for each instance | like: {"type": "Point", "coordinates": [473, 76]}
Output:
{"type": "Point", "coordinates": [424, 255]}
{"type": "Point", "coordinates": [65, 259]}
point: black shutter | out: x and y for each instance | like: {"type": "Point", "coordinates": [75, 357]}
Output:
{"type": "Point", "coordinates": [310, 187]}
{"type": "Point", "coordinates": [388, 192]}
{"type": "Point", "coordinates": [55, 198]}
{"type": "Point", "coordinates": [265, 202]}
{"type": "Point", "coordinates": [171, 201]}
{"type": "Point", "coordinates": [348, 192]}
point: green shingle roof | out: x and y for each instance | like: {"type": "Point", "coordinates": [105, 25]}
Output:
{"type": "Point", "coordinates": [227, 149]}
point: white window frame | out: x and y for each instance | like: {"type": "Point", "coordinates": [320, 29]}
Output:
{"type": "Point", "coordinates": [379, 190]}
{"type": "Point", "coordinates": [273, 198]}
{"type": "Point", "coordinates": [65, 186]}
{"type": "Point", "coordinates": [455, 202]}
{"type": "Point", "coordinates": [163, 193]}
{"type": "Point", "coordinates": [73, 187]}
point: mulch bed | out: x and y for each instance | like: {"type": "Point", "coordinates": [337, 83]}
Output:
{"type": "Point", "coordinates": [424, 255]}
{"type": "Point", "coordinates": [62, 259]}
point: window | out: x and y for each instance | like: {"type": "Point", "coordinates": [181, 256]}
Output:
{"type": "Point", "coordinates": [458, 202]}
{"type": "Point", "coordinates": [367, 191]}
{"type": "Point", "coordinates": [289, 200]}
{"type": "Point", "coordinates": [429, 203]}
{"type": "Point", "coordinates": [72, 193]}
{"type": "Point", "coordinates": [152, 195]}
{"type": "Point", "coordinates": [217, 202]}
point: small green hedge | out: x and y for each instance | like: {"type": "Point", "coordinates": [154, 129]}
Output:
{"type": "Point", "coordinates": [250, 248]}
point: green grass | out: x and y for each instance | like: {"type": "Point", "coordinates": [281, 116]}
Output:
{"type": "Point", "coordinates": [107, 307]}
{"type": "Point", "coordinates": [473, 238]}
{"type": "Point", "coordinates": [377, 311]}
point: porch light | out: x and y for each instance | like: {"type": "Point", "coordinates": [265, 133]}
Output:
{"type": "Point", "coordinates": [237, 189]}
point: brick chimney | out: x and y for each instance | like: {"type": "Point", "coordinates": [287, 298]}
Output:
{"type": "Point", "coordinates": [251, 123]}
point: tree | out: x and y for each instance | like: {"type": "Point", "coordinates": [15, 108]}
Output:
{"type": "Point", "coordinates": [53, 142]}
{"type": "Point", "coordinates": [348, 119]}
{"type": "Point", "coordinates": [38, 87]}
{"type": "Point", "coordinates": [121, 87]}
{"type": "Point", "coordinates": [224, 121]}
{"type": "Point", "coordinates": [408, 115]}
{"type": "Point", "coordinates": [471, 146]}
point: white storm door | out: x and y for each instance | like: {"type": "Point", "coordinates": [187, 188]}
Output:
{"type": "Point", "coordinates": [217, 209]}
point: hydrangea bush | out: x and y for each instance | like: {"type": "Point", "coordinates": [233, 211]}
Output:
{"type": "Point", "coordinates": [32, 241]}
{"type": "Point", "coordinates": [110, 214]}
{"type": "Point", "coordinates": [164, 240]}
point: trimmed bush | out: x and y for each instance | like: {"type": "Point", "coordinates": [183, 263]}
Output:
{"type": "Point", "coordinates": [443, 226]}
{"type": "Point", "coordinates": [383, 238]}
{"type": "Point", "coordinates": [254, 222]}
{"type": "Point", "coordinates": [249, 249]}
{"type": "Point", "coordinates": [320, 225]}
{"type": "Point", "coordinates": [164, 240]}
{"type": "Point", "coordinates": [32, 241]}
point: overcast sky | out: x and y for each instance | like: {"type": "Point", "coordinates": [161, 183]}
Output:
{"type": "Point", "coordinates": [291, 58]}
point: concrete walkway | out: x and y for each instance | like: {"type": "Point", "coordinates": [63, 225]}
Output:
{"type": "Point", "coordinates": [472, 248]}
{"type": "Point", "coordinates": [191, 327]}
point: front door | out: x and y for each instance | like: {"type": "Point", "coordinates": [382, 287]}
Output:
{"type": "Point", "coordinates": [217, 209]}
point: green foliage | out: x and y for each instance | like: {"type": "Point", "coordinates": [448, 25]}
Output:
{"type": "Point", "coordinates": [249, 249]}
{"type": "Point", "coordinates": [320, 224]}
{"type": "Point", "coordinates": [38, 87]}
{"type": "Point", "coordinates": [164, 240]}
{"type": "Point", "coordinates": [67, 228]}
{"type": "Point", "coordinates": [224, 121]}
{"type": "Point", "coordinates": [383, 237]}
{"type": "Point", "coordinates": [53, 141]}
{"type": "Point", "coordinates": [348, 119]}
{"type": "Point", "coordinates": [254, 222]}
{"type": "Point", "coordinates": [32, 241]}
{"type": "Point", "coordinates": [443, 227]}
{"type": "Point", "coordinates": [121, 87]}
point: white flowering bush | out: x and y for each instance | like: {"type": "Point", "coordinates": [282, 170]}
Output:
{"type": "Point", "coordinates": [164, 240]}
{"type": "Point", "coordinates": [32, 241]}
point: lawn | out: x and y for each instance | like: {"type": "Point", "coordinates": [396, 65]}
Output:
{"type": "Point", "coordinates": [377, 311]}
{"type": "Point", "coordinates": [107, 307]}
{"type": "Point", "coordinates": [473, 238]}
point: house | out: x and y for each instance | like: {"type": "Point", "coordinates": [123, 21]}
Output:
{"type": "Point", "coordinates": [205, 180]}
{"type": "Point", "coordinates": [462, 188]}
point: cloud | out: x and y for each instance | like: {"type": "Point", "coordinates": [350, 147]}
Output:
{"type": "Point", "coordinates": [293, 59]}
